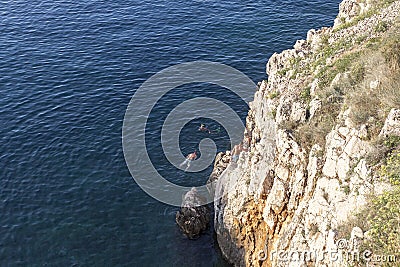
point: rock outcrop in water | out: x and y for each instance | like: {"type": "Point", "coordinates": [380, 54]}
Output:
{"type": "Point", "coordinates": [319, 132]}
{"type": "Point", "coordinates": [194, 217]}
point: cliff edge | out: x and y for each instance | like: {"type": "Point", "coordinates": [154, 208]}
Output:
{"type": "Point", "coordinates": [324, 150]}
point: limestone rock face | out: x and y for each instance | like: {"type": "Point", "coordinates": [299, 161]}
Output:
{"type": "Point", "coordinates": [290, 194]}
{"type": "Point", "coordinates": [222, 161]}
{"type": "Point", "coordinates": [193, 218]}
{"type": "Point", "coordinates": [315, 105]}
{"type": "Point", "coordinates": [348, 9]}
{"type": "Point", "coordinates": [392, 124]}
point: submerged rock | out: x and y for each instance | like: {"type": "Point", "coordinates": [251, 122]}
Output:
{"type": "Point", "coordinates": [194, 217]}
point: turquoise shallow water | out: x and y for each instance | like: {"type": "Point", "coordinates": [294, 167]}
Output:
{"type": "Point", "coordinates": [67, 72]}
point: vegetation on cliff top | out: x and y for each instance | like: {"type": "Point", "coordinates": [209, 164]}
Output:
{"type": "Point", "coordinates": [365, 79]}
{"type": "Point", "coordinates": [370, 90]}
{"type": "Point", "coordinates": [360, 73]}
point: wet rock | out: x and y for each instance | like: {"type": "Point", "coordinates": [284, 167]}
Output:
{"type": "Point", "coordinates": [194, 217]}
{"type": "Point", "coordinates": [222, 161]}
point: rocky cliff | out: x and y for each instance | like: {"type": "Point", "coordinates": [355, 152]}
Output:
{"type": "Point", "coordinates": [321, 128]}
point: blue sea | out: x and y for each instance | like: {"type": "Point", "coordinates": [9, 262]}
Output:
{"type": "Point", "coordinates": [68, 70]}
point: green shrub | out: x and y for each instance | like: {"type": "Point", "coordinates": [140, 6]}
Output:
{"type": "Point", "coordinates": [306, 94]}
{"type": "Point", "coordinates": [391, 51]}
{"type": "Point", "coordinates": [377, 6]}
{"type": "Point", "coordinates": [346, 189]}
{"type": "Point", "coordinates": [382, 26]}
{"type": "Point", "coordinates": [357, 72]}
{"type": "Point", "coordinates": [392, 142]}
{"type": "Point", "coordinates": [383, 217]}
{"type": "Point", "coordinates": [381, 148]}
{"type": "Point", "coordinates": [365, 105]}
{"type": "Point", "coordinates": [283, 72]}
{"type": "Point", "coordinates": [273, 95]}
{"type": "Point", "coordinates": [315, 131]}
{"type": "Point", "coordinates": [391, 169]}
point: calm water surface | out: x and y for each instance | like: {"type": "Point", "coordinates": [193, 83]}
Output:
{"type": "Point", "coordinates": [67, 72]}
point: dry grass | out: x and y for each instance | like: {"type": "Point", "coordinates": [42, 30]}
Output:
{"type": "Point", "coordinates": [379, 91]}
{"type": "Point", "coordinates": [372, 84]}
{"type": "Point", "coordinates": [370, 88]}
{"type": "Point", "coordinates": [318, 128]}
{"type": "Point", "coordinates": [369, 84]}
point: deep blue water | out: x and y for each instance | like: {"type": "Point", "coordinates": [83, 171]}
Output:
{"type": "Point", "coordinates": [67, 72]}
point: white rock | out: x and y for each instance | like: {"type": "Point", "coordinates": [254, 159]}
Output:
{"type": "Point", "coordinates": [310, 35]}
{"type": "Point", "coordinates": [276, 197]}
{"type": "Point", "coordinates": [343, 166]}
{"type": "Point", "coordinates": [356, 147]}
{"type": "Point", "coordinates": [363, 133]}
{"type": "Point", "coordinates": [298, 113]}
{"type": "Point", "coordinates": [348, 9]}
{"type": "Point", "coordinates": [344, 131]}
{"type": "Point", "coordinates": [357, 233]}
{"type": "Point", "coordinates": [315, 105]}
{"type": "Point", "coordinates": [312, 168]}
{"type": "Point", "coordinates": [374, 84]}
{"type": "Point", "coordinates": [334, 142]}
{"type": "Point", "coordinates": [299, 45]}
{"type": "Point", "coordinates": [392, 124]}
{"type": "Point", "coordinates": [362, 170]}
{"type": "Point", "coordinates": [314, 87]}
{"type": "Point", "coordinates": [330, 241]}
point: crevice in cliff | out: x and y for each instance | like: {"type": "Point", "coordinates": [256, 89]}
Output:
{"type": "Point", "coordinates": [330, 98]}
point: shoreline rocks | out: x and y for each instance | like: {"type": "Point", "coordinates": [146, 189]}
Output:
{"type": "Point", "coordinates": [291, 192]}
{"type": "Point", "coordinates": [194, 217]}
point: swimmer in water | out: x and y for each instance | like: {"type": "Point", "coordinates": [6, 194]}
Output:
{"type": "Point", "coordinates": [189, 158]}
{"type": "Point", "coordinates": [203, 128]}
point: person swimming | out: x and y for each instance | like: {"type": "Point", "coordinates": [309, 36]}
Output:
{"type": "Point", "coordinates": [203, 128]}
{"type": "Point", "coordinates": [189, 158]}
